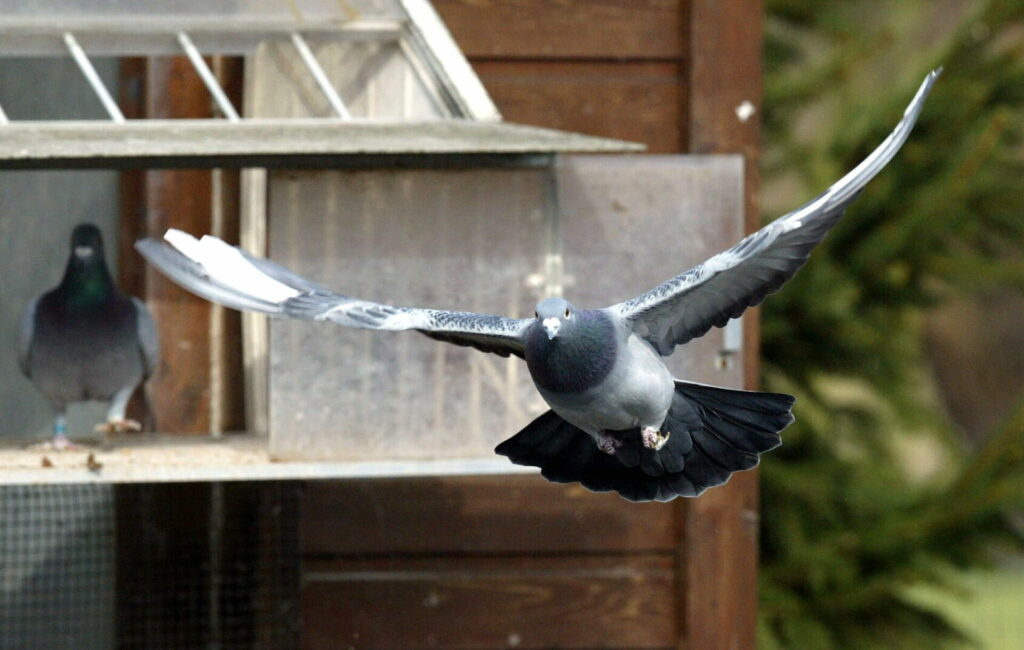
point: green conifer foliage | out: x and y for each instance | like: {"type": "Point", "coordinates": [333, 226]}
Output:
{"type": "Point", "coordinates": [871, 494]}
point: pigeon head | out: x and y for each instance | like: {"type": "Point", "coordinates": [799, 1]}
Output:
{"type": "Point", "coordinates": [555, 315]}
{"type": "Point", "coordinates": [569, 349]}
{"type": "Point", "coordinates": [87, 280]}
{"type": "Point", "coordinates": [86, 242]}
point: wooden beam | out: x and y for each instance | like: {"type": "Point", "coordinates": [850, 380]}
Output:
{"type": "Point", "coordinates": [718, 550]}
{"type": "Point", "coordinates": [180, 391]}
{"type": "Point", "coordinates": [227, 376]}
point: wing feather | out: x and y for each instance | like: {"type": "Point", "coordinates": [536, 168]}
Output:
{"type": "Point", "coordinates": [723, 287]}
{"type": "Point", "coordinates": [227, 275]}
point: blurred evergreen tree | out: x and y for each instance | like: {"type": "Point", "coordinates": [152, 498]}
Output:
{"type": "Point", "coordinates": [870, 493]}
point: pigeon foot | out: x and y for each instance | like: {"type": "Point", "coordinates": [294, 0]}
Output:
{"type": "Point", "coordinates": [118, 426]}
{"type": "Point", "coordinates": [60, 442]}
{"type": "Point", "coordinates": [653, 439]}
{"type": "Point", "coordinates": [608, 444]}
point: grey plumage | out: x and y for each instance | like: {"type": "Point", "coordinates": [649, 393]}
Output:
{"type": "Point", "coordinates": [85, 340]}
{"type": "Point", "coordinates": [619, 420]}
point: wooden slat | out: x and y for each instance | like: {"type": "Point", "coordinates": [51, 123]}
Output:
{"type": "Point", "coordinates": [132, 100]}
{"type": "Point", "coordinates": [718, 556]}
{"type": "Point", "coordinates": [516, 514]}
{"type": "Point", "coordinates": [569, 28]}
{"type": "Point", "coordinates": [585, 602]}
{"type": "Point", "coordinates": [227, 376]}
{"type": "Point", "coordinates": [638, 101]}
{"type": "Point", "coordinates": [178, 199]}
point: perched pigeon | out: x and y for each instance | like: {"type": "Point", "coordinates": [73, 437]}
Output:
{"type": "Point", "coordinates": [618, 419]}
{"type": "Point", "coordinates": [85, 340]}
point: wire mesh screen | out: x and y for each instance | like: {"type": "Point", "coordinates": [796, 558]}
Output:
{"type": "Point", "coordinates": [161, 566]}
{"type": "Point", "coordinates": [57, 567]}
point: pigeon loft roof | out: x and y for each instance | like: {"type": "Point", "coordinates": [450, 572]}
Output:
{"type": "Point", "coordinates": [279, 143]}
{"type": "Point", "coordinates": [325, 82]}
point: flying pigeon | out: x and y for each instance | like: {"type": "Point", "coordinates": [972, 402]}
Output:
{"type": "Point", "coordinates": [618, 420]}
{"type": "Point", "coordinates": [85, 340]}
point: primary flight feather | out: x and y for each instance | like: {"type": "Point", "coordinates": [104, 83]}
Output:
{"type": "Point", "coordinates": [618, 420]}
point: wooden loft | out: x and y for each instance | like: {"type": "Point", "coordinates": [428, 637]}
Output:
{"type": "Point", "coordinates": [682, 575]}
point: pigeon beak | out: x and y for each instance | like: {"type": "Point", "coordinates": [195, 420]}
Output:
{"type": "Point", "coordinates": [551, 326]}
{"type": "Point", "coordinates": [83, 252]}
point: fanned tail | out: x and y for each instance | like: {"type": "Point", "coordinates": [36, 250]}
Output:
{"type": "Point", "coordinates": [713, 432]}
{"type": "Point", "coordinates": [728, 429]}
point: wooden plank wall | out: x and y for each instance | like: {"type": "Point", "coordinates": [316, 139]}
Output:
{"type": "Point", "coordinates": [516, 562]}
{"type": "Point", "coordinates": [605, 67]}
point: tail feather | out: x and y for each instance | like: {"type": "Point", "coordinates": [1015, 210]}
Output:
{"type": "Point", "coordinates": [629, 453]}
{"type": "Point", "coordinates": [744, 420]}
{"type": "Point", "coordinates": [713, 432]}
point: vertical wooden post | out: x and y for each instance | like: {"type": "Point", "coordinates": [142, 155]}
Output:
{"type": "Point", "coordinates": [718, 563]}
{"type": "Point", "coordinates": [180, 198]}
{"type": "Point", "coordinates": [226, 372]}
{"type": "Point", "coordinates": [201, 349]}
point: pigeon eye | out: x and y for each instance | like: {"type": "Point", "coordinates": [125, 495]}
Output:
{"type": "Point", "coordinates": [536, 315]}
{"type": "Point", "coordinates": [567, 314]}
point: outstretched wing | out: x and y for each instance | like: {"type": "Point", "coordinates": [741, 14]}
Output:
{"type": "Point", "coordinates": [227, 275]}
{"type": "Point", "coordinates": [688, 305]}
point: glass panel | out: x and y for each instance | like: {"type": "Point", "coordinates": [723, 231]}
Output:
{"type": "Point", "coordinates": [449, 239]}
